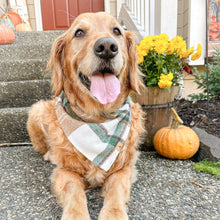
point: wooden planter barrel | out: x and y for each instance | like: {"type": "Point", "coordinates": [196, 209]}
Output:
{"type": "Point", "coordinates": [156, 103]}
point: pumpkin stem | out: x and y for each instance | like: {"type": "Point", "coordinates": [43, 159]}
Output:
{"type": "Point", "coordinates": [176, 120]}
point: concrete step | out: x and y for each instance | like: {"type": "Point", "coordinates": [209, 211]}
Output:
{"type": "Point", "coordinates": [165, 189]}
{"type": "Point", "coordinates": [13, 125]}
{"type": "Point", "coordinates": [23, 93]}
{"type": "Point", "coordinates": [29, 45]}
{"type": "Point", "coordinates": [30, 51]}
{"type": "Point", "coordinates": [23, 81]}
{"type": "Point", "coordinates": [23, 69]}
{"type": "Point", "coordinates": [36, 37]}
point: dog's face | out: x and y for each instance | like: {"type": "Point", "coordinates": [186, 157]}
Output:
{"type": "Point", "coordinates": [96, 60]}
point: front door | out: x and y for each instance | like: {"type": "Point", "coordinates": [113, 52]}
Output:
{"type": "Point", "coordinates": [59, 14]}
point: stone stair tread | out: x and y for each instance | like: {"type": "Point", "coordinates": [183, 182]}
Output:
{"type": "Point", "coordinates": [13, 125]}
{"type": "Point", "coordinates": [13, 109]}
{"type": "Point", "coordinates": [23, 80]}
{"type": "Point", "coordinates": [23, 93]}
{"type": "Point", "coordinates": [22, 60]}
{"type": "Point", "coordinates": [24, 51]}
{"type": "Point", "coordinates": [35, 37]}
{"type": "Point", "coordinates": [33, 43]}
{"type": "Point", "coordinates": [23, 69]}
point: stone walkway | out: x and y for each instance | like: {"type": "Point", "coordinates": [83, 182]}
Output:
{"type": "Point", "coordinates": [165, 189]}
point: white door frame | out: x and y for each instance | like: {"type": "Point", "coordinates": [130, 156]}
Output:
{"type": "Point", "coordinates": [38, 15]}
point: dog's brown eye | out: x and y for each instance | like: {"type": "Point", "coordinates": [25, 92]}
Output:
{"type": "Point", "coordinates": [79, 33]}
{"type": "Point", "coordinates": [116, 31]}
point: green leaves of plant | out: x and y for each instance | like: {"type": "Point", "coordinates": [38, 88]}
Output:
{"type": "Point", "coordinates": [213, 80]}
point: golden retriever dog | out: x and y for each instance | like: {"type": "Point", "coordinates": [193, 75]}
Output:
{"type": "Point", "coordinates": [94, 66]}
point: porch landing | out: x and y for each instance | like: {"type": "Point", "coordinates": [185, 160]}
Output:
{"type": "Point", "coordinates": [165, 189]}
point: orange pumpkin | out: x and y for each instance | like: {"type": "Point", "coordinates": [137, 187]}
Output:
{"type": "Point", "coordinates": [23, 27]}
{"type": "Point", "coordinates": [7, 35]}
{"type": "Point", "coordinates": [176, 141]}
{"type": "Point", "coordinates": [13, 16]}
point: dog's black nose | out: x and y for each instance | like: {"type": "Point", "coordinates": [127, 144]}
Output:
{"type": "Point", "coordinates": [106, 48]}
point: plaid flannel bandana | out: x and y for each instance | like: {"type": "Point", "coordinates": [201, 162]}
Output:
{"type": "Point", "coordinates": [99, 142]}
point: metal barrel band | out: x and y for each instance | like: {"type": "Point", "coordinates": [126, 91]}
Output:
{"type": "Point", "coordinates": [167, 105]}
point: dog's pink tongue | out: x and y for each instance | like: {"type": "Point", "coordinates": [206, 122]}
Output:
{"type": "Point", "coordinates": [105, 87]}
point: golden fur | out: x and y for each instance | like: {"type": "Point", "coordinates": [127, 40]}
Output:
{"type": "Point", "coordinates": [74, 173]}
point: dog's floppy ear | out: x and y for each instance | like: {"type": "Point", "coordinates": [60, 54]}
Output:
{"type": "Point", "coordinates": [56, 64]}
{"type": "Point", "coordinates": [134, 72]}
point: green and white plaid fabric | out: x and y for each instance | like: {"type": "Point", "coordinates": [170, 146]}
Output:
{"type": "Point", "coordinates": [99, 142]}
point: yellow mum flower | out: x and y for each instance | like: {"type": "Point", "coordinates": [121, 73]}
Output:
{"type": "Point", "coordinates": [162, 76]}
{"type": "Point", "coordinates": [198, 53]}
{"type": "Point", "coordinates": [181, 48]}
{"type": "Point", "coordinates": [140, 59]}
{"type": "Point", "coordinates": [168, 77]}
{"type": "Point", "coordinates": [156, 37]}
{"type": "Point", "coordinates": [188, 52]}
{"type": "Point", "coordinates": [178, 45]}
{"type": "Point", "coordinates": [140, 53]}
{"type": "Point", "coordinates": [145, 45]}
{"type": "Point", "coordinates": [170, 49]}
{"type": "Point", "coordinates": [164, 37]}
{"type": "Point", "coordinates": [148, 39]}
{"type": "Point", "coordinates": [165, 80]}
{"type": "Point", "coordinates": [163, 84]}
{"type": "Point", "coordinates": [160, 46]}
{"type": "Point", "coordinates": [176, 40]}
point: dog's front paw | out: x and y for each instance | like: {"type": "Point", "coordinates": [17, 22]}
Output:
{"type": "Point", "coordinates": [113, 214]}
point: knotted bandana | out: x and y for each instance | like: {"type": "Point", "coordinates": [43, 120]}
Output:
{"type": "Point", "coordinates": [99, 142]}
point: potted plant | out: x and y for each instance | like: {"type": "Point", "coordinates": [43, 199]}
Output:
{"type": "Point", "coordinates": [162, 62]}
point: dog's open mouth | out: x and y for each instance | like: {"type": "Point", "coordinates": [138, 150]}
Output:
{"type": "Point", "coordinates": [104, 85]}
{"type": "Point", "coordinates": [85, 80]}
